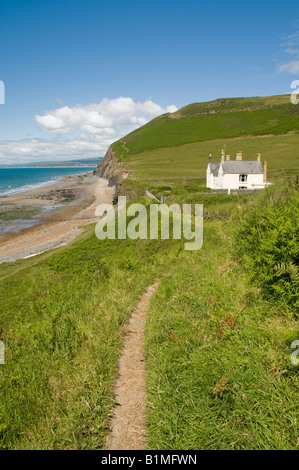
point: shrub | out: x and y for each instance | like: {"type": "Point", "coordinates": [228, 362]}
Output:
{"type": "Point", "coordinates": [268, 242]}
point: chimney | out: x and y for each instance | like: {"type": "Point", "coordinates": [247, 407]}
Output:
{"type": "Point", "coordinates": [265, 172]}
{"type": "Point", "coordinates": [222, 156]}
{"type": "Point", "coordinates": [259, 157]}
{"type": "Point", "coordinates": [239, 156]}
{"type": "Point", "coordinates": [227, 158]}
{"type": "Point", "coordinates": [210, 158]}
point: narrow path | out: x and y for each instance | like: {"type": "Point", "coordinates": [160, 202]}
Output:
{"type": "Point", "coordinates": [127, 425]}
{"type": "Point", "coordinates": [125, 148]}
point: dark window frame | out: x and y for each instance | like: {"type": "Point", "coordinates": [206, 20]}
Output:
{"type": "Point", "coordinates": [243, 178]}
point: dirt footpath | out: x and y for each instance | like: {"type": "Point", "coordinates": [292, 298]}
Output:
{"type": "Point", "coordinates": [127, 424]}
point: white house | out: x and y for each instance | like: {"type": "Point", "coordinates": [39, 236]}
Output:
{"type": "Point", "coordinates": [237, 174]}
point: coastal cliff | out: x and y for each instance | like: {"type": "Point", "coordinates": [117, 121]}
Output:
{"type": "Point", "coordinates": [112, 170]}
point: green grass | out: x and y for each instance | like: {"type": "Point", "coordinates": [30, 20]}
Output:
{"type": "Point", "coordinates": [172, 149]}
{"type": "Point", "coordinates": [18, 213]}
{"type": "Point", "coordinates": [219, 374]}
{"type": "Point", "coordinates": [63, 316]}
{"type": "Point", "coordinates": [62, 320]}
{"type": "Point", "coordinates": [221, 119]}
{"type": "Point", "coordinates": [190, 160]}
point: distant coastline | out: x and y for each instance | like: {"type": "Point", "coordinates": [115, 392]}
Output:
{"type": "Point", "coordinates": [20, 179]}
{"type": "Point", "coordinates": [86, 163]}
{"type": "Point", "coordinates": [46, 167]}
{"type": "Point", "coordinates": [45, 217]}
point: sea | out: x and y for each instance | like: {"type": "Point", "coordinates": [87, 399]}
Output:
{"type": "Point", "coordinates": [15, 180]}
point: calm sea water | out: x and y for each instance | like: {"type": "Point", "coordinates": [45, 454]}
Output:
{"type": "Point", "coordinates": [14, 180]}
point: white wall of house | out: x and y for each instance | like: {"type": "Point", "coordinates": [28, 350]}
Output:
{"type": "Point", "coordinates": [208, 178]}
{"type": "Point", "coordinates": [232, 181]}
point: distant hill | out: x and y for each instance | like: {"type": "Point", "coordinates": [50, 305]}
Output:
{"type": "Point", "coordinates": [177, 145]}
{"type": "Point", "coordinates": [220, 119]}
{"type": "Point", "coordinates": [89, 162]}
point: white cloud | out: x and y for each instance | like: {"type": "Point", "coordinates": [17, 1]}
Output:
{"type": "Point", "coordinates": [291, 43]}
{"type": "Point", "coordinates": [82, 131]}
{"type": "Point", "coordinates": [25, 151]}
{"type": "Point", "coordinates": [291, 51]}
{"type": "Point", "coordinates": [291, 67]}
{"type": "Point", "coordinates": [118, 116]}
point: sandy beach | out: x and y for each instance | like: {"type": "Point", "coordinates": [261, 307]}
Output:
{"type": "Point", "coordinates": [63, 208]}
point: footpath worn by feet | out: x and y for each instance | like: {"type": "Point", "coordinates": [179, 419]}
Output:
{"type": "Point", "coordinates": [127, 425]}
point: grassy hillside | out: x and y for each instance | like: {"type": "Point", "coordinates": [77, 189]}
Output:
{"type": "Point", "coordinates": [220, 119]}
{"type": "Point", "coordinates": [220, 327]}
{"type": "Point", "coordinates": [62, 320]}
{"type": "Point", "coordinates": [190, 160]}
{"type": "Point", "coordinates": [219, 374]}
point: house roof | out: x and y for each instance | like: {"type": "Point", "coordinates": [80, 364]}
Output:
{"type": "Point", "coordinates": [215, 168]}
{"type": "Point", "coordinates": [237, 167]}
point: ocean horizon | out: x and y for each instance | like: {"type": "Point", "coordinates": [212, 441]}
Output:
{"type": "Point", "coordinates": [16, 180]}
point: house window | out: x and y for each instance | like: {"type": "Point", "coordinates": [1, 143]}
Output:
{"type": "Point", "coordinates": [243, 178]}
{"type": "Point", "coordinates": [243, 187]}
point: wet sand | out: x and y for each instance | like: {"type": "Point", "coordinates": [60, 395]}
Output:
{"type": "Point", "coordinates": [64, 208]}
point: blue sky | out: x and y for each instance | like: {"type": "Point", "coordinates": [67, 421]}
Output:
{"type": "Point", "coordinates": [66, 65]}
